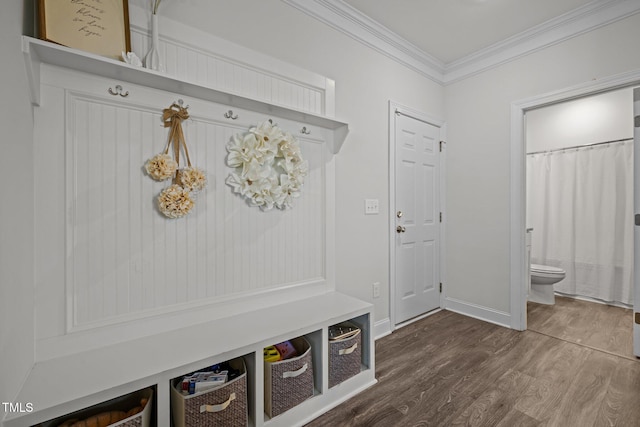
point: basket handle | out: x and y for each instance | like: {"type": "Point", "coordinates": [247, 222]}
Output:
{"type": "Point", "coordinates": [293, 374]}
{"type": "Point", "coordinates": [220, 407]}
{"type": "Point", "coordinates": [348, 350]}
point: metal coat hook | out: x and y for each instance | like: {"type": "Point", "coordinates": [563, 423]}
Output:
{"type": "Point", "coordinates": [304, 131]}
{"type": "Point", "coordinates": [180, 102]}
{"type": "Point", "coordinates": [229, 115]}
{"type": "Point", "coordinates": [118, 91]}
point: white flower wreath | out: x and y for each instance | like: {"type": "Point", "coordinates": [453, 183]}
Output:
{"type": "Point", "coordinates": [268, 166]}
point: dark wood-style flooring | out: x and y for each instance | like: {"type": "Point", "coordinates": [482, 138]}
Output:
{"type": "Point", "coordinates": [452, 370]}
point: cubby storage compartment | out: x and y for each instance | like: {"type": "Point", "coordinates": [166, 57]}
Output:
{"type": "Point", "coordinates": [289, 382]}
{"type": "Point", "coordinates": [345, 352]}
{"type": "Point", "coordinates": [224, 405]}
{"type": "Point", "coordinates": [113, 413]}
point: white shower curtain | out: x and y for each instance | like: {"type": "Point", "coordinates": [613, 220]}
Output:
{"type": "Point", "coordinates": [580, 205]}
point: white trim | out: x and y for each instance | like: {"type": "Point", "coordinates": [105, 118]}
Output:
{"type": "Point", "coordinates": [417, 318]}
{"type": "Point", "coordinates": [346, 19]}
{"type": "Point", "coordinates": [392, 197]}
{"type": "Point", "coordinates": [443, 209]}
{"type": "Point", "coordinates": [517, 174]}
{"type": "Point", "coordinates": [486, 314]}
{"type": "Point", "coordinates": [586, 18]}
{"type": "Point", "coordinates": [382, 328]}
{"type": "Point", "coordinates": [396, 108]}
{"type": "Point", "coordinates": [192, 39]}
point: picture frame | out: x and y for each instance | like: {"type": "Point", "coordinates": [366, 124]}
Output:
{"type": "Point", "coordinates": [96, 26]}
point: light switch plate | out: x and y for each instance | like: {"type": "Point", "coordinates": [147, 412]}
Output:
{"type": "Point", "coordinates": [371, 207]}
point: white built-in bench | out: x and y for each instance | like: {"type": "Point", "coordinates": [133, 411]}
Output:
{"type": "Point", "coordinates": [143, 338]}
{"type": "Point", "coordinates": [60, 386]}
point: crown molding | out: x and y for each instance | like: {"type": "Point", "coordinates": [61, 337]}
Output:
{"type": "Point", "coordinates": [346, 19]}
{"type": "Point", "coordinates": [579, 21]}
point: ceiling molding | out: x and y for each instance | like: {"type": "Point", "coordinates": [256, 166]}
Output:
{"type": "Point", "coordinates": [579, 21]}
{"type": "Point", "coordinates": [348, 20]}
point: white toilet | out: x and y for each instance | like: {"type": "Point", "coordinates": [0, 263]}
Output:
{"type": "Point", "coordinates": [543, 278]}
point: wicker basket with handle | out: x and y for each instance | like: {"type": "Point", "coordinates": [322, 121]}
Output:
{"type": "Point", "coordinates": [289, 382]}
{"type": "Point", "coordinates": [222, 406]}
{"type": "Point", "coordinates": [344, 358]}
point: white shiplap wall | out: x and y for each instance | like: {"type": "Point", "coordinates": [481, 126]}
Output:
{"type": "Point", "coordinates": [207, 60]}
{"type": "Point", "coordinates": [109, 266]}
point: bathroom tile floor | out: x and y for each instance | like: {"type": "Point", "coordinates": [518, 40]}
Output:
{"type": "Point", "coordinates": [452, 370]}
{"type": "Point", "coordinates": [598, 326]}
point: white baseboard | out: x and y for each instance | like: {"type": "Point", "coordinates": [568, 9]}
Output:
{"type": "Point", "coordinates": [382, 328]}
{"type": "Point", "coordinates": [490, 315]}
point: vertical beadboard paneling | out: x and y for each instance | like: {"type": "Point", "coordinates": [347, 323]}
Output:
{"type": "Point", "coordinates": [123, 184]}
{"type": "Point", "coordinates": [128, 261]}
{"type": "Point", "coordinates": [109, 209]}
{"type": "Point", "coordinates": [204, 67]}
{"type": "Point", "coordinates": [134, 210]}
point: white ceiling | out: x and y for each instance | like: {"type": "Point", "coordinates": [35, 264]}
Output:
{"type": "Point", "coordinates": [444, 40]}
{"type": "Point", "coordinates": [452, 29]}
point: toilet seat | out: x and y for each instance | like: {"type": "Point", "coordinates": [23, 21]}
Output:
{"type": "Point", "coordinates": [546, 271]}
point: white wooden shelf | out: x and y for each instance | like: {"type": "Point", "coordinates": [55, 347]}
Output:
{"type": "Point", "coordinates": [60, 386]}
{"type": "Point", "coordinates": [38, 51]}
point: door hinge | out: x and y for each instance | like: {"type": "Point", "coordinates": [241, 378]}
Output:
{"type": "Point", "coordinates": [440, 216]}
{"type": "Point", "coordinates": [440, 287]}
{"type": "Point", "coordinates": [441, 144]}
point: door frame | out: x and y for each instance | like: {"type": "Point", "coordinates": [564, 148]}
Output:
{"type": "Point", "coordinates": [396, 108]}
{"type": "Point", "coordinates": [517, 262]}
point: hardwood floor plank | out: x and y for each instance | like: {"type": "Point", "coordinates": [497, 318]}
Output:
{"type": "Point", "coordinates": [621, 337]}
{"type": "Point", "coordinates": [623, 392]}
{"type": "Point", "coordinates": [553, 372]}
{"type": "Point", "coordinates": [599, 326]}
{"type": "Point", "coordinates": [516, 418]}
{"type": "Point", "coordinates": [496, 403]}
{"type": "Point", "coordinates": [579, 404]}
{"type": "Point", "coordinates": [448, 369]}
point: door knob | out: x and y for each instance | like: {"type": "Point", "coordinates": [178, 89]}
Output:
{"type": "Point", "coordinates": [400, 229]}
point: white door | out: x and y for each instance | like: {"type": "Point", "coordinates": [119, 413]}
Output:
{"type": "Point", "coordinates": [417, 217]}
{"type": "Point", "coordinates": [636, 233]}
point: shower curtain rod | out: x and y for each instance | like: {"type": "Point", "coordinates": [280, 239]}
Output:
{"type": "Point", "coordinates": [581, 146]}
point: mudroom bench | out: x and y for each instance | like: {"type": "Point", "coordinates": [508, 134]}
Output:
{"type": "Point", "coordinates": [61, 386]}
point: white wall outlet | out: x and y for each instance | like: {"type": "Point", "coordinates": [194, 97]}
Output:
{"type": "Point", "coordinates": [371, 207]}
{"type": "Point", "coordinates": [376, 290]}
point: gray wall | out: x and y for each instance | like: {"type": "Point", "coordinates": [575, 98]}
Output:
{"type": "Point", "coordinates": [478, 163]}
{"type": "Point", "coordinates": [589, 120]}
{"type": "Point", "coordinates": [16, 207]}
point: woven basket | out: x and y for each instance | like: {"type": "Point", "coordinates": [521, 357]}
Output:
{"type": "Point", "coordinates": [344, 359]}
{"type": "Point", "coordinates": [289, 382]}
{"type": "Point", "coordinates": [223, 406]}
{"type": "Point", "coordinates": [123, 403]}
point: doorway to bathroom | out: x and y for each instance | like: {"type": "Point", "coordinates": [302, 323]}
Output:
{"type": "Point", "coordinates": [579, 206]}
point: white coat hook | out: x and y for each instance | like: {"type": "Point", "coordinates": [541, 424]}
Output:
{"type": "Point", "coordinates": [118, 91]}
{"type": "Point", "coordinates": [229, 115]}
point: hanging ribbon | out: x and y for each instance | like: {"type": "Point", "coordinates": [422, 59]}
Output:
{"type": "Point", "coordinates": [173, 118]}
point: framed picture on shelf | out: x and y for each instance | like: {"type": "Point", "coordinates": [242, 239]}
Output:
{"type": "Point", "coordinates": [96, 26]}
